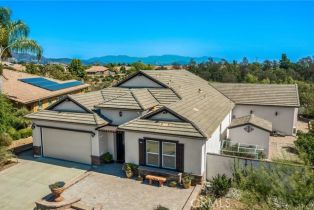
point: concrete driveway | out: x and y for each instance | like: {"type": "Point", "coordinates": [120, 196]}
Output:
{"type": "Point", "coordinates": [24, 183]}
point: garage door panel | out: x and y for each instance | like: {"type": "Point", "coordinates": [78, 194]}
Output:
{"type": "Point", "coordinates": [67, 145]}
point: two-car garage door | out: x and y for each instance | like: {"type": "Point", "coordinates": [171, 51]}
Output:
{"type": "Point", "coordinates": [68, 145]}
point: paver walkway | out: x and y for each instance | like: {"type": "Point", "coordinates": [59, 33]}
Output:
{"type": "Point", "coordinates": [108, 186]}
{"type": "Point", "coordinates": [24, 183]}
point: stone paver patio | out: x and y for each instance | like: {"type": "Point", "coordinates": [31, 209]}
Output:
{"type": "Point", "coordinates": [108, 186]}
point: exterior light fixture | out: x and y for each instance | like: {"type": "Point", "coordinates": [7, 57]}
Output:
{"type": "Point", "coordinates": [120, 113]}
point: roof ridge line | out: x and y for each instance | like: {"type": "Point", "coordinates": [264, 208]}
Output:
{"type": "Point", "coordinates": [136, 99]}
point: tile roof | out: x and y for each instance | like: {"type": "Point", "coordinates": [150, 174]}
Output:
{"type": "Point", "coordinates": [94, 69]}
{"type": "Point", "coordinates": [25, 93]}
{"type": "Point", "coordinates": [201, 105]}
{"type": "Point", "coordinates": [253, 120]}
{"type": "Point", "coordinates": [68, 117]}
{"type": "Point", "coordinates": [165, 127]}
{"type": "Point", "coordinates": [260, 94]}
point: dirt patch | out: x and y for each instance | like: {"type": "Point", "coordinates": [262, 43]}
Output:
{"type": "Point", "coordinates": [21, 142]}
{"type": "Point", "coordinates": [8, 165]}
{"type": "Point", "coordinates": [227, 204]}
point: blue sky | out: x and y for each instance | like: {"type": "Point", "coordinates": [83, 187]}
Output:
{"type": "Point", "coordinates": [230, 30]}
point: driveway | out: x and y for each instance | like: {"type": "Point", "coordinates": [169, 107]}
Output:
{"type": "Point", "coordinates": [24, 183]}
{"type": "Point", "coordinates": [107, 185]}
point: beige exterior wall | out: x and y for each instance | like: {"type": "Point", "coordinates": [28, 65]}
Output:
{"type": "Point", "coordinates": [165, 116]}
{"type": "Point", "coordinates": [68, 106]}
{"type": "Point", "coordinates": [256, 137]}
{"type": "Point", "coordinates": [284, 122]}
{"type": "Point", "coordinates": [113, 114]}
{"type": "Point", "coordinates": [194, 150]}
{"type": "Point", "coordinates": [140, 81]}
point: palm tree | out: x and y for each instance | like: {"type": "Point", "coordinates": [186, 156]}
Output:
{"type": "Point", "coordinates": [13, 37]}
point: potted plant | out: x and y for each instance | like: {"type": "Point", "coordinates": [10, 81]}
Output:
{"type": "Point", "coordinates": [57, 189]}
{"type": "Point", "coordinates": [187, 180]}
{"type": "Point", "coordinates": [127, 168]}
{"type": "Point", "coordinates": [107, 158]}
{"type": "Point", "coordinates": [173, 184]}
{"type": "Point", "coordinates": [140, 178]}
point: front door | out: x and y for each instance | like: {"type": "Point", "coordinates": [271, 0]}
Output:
{"type": "Point", "coordinates": [120, 147]}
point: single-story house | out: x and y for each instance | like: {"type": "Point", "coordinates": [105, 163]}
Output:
{"type": "Point", "coordinates": [97, 71]}
{"type": "Point", "coordinates": [34, 94]}
{"type": "Point", "coordinates": [166, 119]}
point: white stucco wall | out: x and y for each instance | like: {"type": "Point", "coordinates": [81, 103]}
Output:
{"type": "Point", "coordinates": [194, 150]}
{"type": "Point", "coordinates": [140, 81]}
{"type": "Point", "coordinates": [68, 106]}
{"type": "Point", "coordinates": [107, 143]}
{"type": "Point", "coordinates": [256, 137]}
{"type": "Point", "coordinates": [214, 142]}
{"type": "Point", "coordinates": [284, 122]}
{"type": "Point", "coordinates": [113, 114]}
{"type": "Point", "coordinates": [165, 116]}
{"type": "Point", "coordinates": [37, 134]}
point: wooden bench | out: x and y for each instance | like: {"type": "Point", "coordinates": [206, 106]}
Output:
{"type": "Point", "coordinates": [159, 179]}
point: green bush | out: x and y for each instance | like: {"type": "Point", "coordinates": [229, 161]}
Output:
{"type": "Point", "coordinates": [220, 185]}
{"type": "Point", "coordinates": [25, 132]}
{"type": "Point", "coordinates": [276, 186]}
{"type": "Point", "coordinates": [5, 140]}
{"type": "Point", "coordinates": [14, 133]}
{"type": "Point", "coordinates": [107, 157]}
{"type": "Point", "coordinates": [305, 146]}
{"type": "Point", "coordinates": [57, 185]}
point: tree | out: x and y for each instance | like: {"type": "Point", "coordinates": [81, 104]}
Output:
{"type": "Point", "coordinates": [76, 68]}
{"type": "Point", "coordinates": [250, 78]}
{"type": "Point", "coordinates": [14, 37]}
{"type": "Point", "coordinates": [284, 62]}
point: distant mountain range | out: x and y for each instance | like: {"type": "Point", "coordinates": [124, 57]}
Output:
{"type": "Point", "coordinates": [154, 60]}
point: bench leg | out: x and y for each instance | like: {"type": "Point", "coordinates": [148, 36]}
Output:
{"type": "Point", "coordinates": [161, 183]}
{"type": "Point", "coordinates": [150, 181]}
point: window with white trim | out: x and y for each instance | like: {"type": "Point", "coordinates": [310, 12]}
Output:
{"type": "Point", "coordinates": [169, 155]}
{"type": "Point", "coordinates": [152, 153]}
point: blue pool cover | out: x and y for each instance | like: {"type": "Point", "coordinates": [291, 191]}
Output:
{"type": "Point", "coordinates": [48, 84]}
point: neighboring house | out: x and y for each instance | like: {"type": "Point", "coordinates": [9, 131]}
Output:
{"type": "Point", "coordinates": [36, 95]}
{"type": "Point", "coordinates": [97, 71]}
{"type": "Point", "coordinates": [166, 119]}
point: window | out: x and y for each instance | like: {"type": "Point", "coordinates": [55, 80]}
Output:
{"type": "Point", "coordinates": [40, 105]}
{"type": "Point", "coordinates": [152, 153]}
{"type": "Point", "coordinates": [168, 155]}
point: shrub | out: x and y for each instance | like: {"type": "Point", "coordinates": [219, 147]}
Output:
{"type": "Point", "coordinates": [129, 166]}
{"type": "Point", "coordinates": [107, 157]}
{"type": "Point", "coordinates": [25, 132]}
{"type": "Point", "coordinates": [276, 186]}
{"type": "Point", "coordinates": [14, 133]}
{"type": "Point", "coordinates": [5, 156]}
{"type": "Point", "coordinates": [56, 185]}
{"type": "Point", "coordinates": [305, 146]}
{"type": "Point", "coordinates": [220, 185]}
{"type": "Point", "coordinates": [5, 140]}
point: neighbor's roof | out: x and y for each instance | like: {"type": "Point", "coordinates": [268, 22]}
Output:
{"type": "Point", "coordinates": [260, 94]}
{"type": "Point", "coordinates": [26, 93]}
{"type": "Point", "coordinates": [165, 127]}
{"type": "Point", "coordinates": [253, 120]}
{"type": "Point", "coordinates": [68, 117]}
{"type": "Point", "coordinates": [94, 69]}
